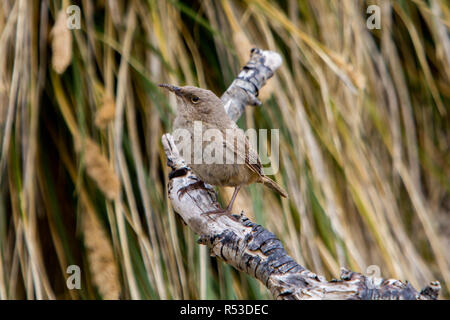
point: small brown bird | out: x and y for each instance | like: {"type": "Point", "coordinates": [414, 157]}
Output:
{"type": "Point", "coordinates": [204, 107]}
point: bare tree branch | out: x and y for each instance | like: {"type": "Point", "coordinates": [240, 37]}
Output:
{"type": "Point", "coordinates": [249, 247]}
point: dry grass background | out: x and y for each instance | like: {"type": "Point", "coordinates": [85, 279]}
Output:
{"type": "Point", "coordinates": [364, 124]}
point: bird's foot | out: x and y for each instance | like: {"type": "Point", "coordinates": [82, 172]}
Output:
{"type": "Point", "coordinates": [196, 185]}
{"type": "Point", "coordinates": [221, 212]}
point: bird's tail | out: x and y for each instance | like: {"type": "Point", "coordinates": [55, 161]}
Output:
{"type": "Point", "coordinates": [273, 185]}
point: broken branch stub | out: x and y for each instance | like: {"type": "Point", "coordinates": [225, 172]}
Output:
{"type": "Point", "coordinates": [245, 88]}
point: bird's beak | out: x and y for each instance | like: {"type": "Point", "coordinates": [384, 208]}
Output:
{"type": "Point", "coordinates": [174, 89]}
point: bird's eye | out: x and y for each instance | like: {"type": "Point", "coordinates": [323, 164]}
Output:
{"type": "Point", "coordinates": [195, 99]}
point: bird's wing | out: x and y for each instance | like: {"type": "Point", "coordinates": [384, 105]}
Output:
{"type": "Point", "coordinates": [243, 152]}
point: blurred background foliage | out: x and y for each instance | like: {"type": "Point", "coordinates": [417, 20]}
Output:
{"type": "Point", "coordinates": [363, 116]}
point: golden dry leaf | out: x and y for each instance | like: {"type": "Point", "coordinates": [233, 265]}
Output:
{"type": "Point", "coordinates": [106, 113]}
{"type": "Point", "coordinates": [99, 169]}
{"type": "Point", "coordinates": [61, 44]}
{"type": "Point", "coordinates": [100, 254]}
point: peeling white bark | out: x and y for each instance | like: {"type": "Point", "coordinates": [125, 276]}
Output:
{"type": "Point", "coordinates": [249, 247]}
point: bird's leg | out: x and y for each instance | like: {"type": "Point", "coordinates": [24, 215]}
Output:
{"type": "Point", "coordinates": [227, 210]}
{"type": "Point", "coordinates": [196, 185]}
{"type": "Point", "coordinates": [230, 205]}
